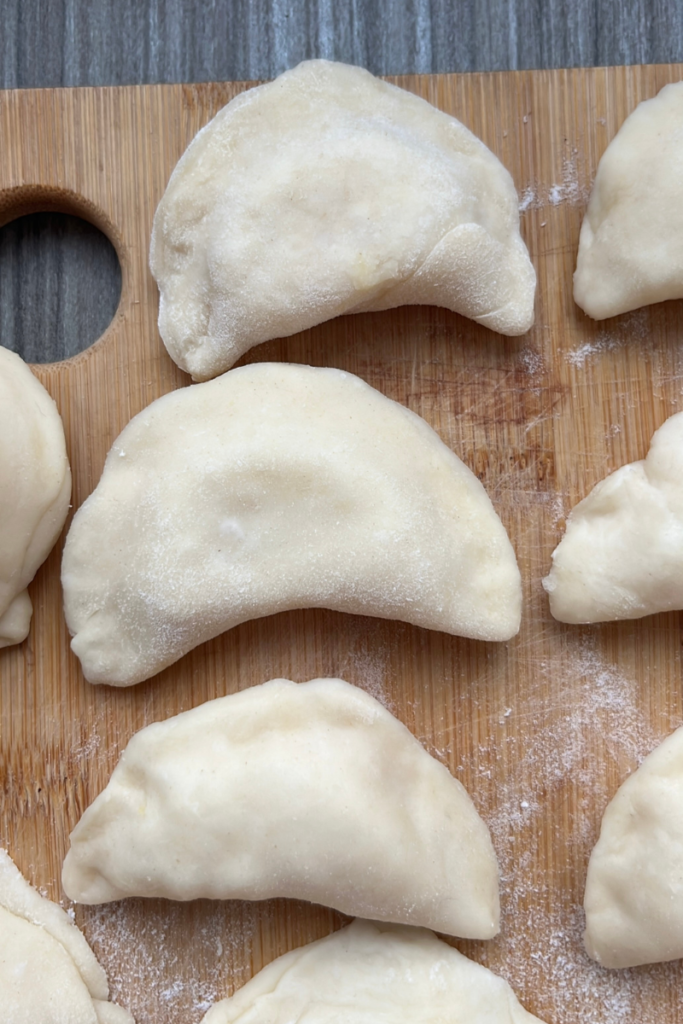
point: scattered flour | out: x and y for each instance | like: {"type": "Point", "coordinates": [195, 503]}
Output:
{"type": "Point", "coordinates": [569, 190]}
{"type": "Point", "coordinates": [86, 752]}
{"type": "Point", "coordinates": [529, 200]}
{"type": "Point", "coordinates": [563, 748]}
{"type": "Point", "coordinates": [531, 361]}
{"type": "Point", "coordinates": [634, 326]}
{"type": "Point", "coordinates": [558, 507]}
{"type": "Point", "coordinates": [562, 776]}
{"type": "Point", "coordinates": [578, 356]}
{"type": "Point", "coordinates": [138, 939]}
{"type": "Point", "coordinates": [367, 660]}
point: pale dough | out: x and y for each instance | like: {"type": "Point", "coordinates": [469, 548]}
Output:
{"type": "Point", "coordinates": [275, 487]}
{"type": "Point", "coordinates": [312, 791]}
{"type": "Point", "coordinates": [35, 487]}
{"type": "Point", "coordinates": [634, 888]}
{"type": "Point", "coordinates": [622, 554]}
{"type": "Point", "coordinates": [631, 243]}
{"type": "Point", "coordinates": [325, 192]}
{"type": "Point", "coordinates": [371, 973]}
{"type": "Point", "coordinates": [48, 973]}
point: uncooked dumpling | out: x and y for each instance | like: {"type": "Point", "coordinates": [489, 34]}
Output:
{"type": "Point", "coordinates": [310, 790]}
{"type": "Point", "coordinates": [35, 486]}
{"type": "Point", "coordinates": [634, 889]}
{"type": "Point", "coordinates": [48, 973]}
{"type": "Point", "coordinates": [278, 487]}
{"type": "Point", "coordinates": [622, 554]}
{"type": "Point", "coordinates": [325, 192]}
{"type": "Point", "coordinates": [631, 243]}
{"type": "Point", "coordinates": [367, 973]}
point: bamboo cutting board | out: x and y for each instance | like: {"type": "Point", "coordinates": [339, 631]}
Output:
{"type": "Point", "coordinates": [541, 730]}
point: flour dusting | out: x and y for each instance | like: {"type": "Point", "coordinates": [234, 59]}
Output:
{"type": "Point", "coordinates": [568, 190]}
{"type": "Point", "coordinates": [634, 326]}
{"type": "Point", "coordinates": [138, 940]}
{"type": "Point", "coordinates": [367, 660]}
{"type": "Point", "coordinates": [531, 361]}
{"type": "Point", "coordinates": [558, 508]}
{"type": "Point", "coordinates": [529, 200]}
{"type": "Point", "coordinates": [569, 750]}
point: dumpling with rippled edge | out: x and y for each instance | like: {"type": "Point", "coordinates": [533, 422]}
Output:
{"type": "Point", "coordinates": [277, 487]}
{"type": "Point", "coordinates": [370, 972]}
{"type": "Point", "coordinates": [631, 242]}
{"type": "Point", "coordinates": [634, 888]}
{"type": "Point", "coordinates": [325, 192]}
{"type": "Point", "coordinates": [35, 487]}
{"type": "Point", "coordinates": [622, 553]}
{"type": "Point", "coordinates": [312, 791]}
{"type": "Point", "coordinates": [48, 973]}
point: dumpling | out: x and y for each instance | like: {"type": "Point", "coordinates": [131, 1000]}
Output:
{"type": "Point", "coordinates": [277, 487]}
{"type": "Point", "coordinates": [48, 973]}
{"type": "Point", "coordinates": [634, 888]}
{"type": "Point", "coordinates": [370, 972]}
{"type": "Point", "coordinates": [622, 554]}
{"type": "Point", "coordinates": [631, 243]}
{"type": "Point", "coordinates": [35, 487]}
{"type": "Point", "coordinates": [325, 192]}
{"type": "Point", "coordinates": [312, 791]}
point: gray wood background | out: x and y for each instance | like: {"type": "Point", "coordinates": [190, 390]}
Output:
{"type": "Point", "coordinates": [59, 277]}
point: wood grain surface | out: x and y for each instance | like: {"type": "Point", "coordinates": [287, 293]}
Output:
{"type": "Point", "coordinates": [541, 730]}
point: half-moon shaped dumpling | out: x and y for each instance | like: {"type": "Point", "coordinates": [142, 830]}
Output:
{"type": "Point", "coordinates": [277, 487]}
{"type": "Point", "coordinates": [312, 791]}
{"type": "Point", "coordinates": [35, 487]}
{"type": "Point", "coordinates": [631, 243]}
{"type": "Point", "coordinates": [325, 192]}
{"type": "Point", "coordinates": [373, 972]}
{"type": "Point", "coordinates": [634, 888]}
{"type": "Point", "coordinates": [622, 554]}
{"type": "Point", "coordinates": [48, 973]}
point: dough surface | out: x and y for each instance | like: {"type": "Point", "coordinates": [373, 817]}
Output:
{"type": "Point", "coordinates": [48, 973]}
{"type": "Point", "coordinates": [312, 791]}
{"type": "Point", "coordinates": [622, 554]}
{"type": "Point", "coordinates": [275, 487]}
{"type": "Point", "coordinates": [634, 888]}
{"type": "Point", "coordinates": [326, 192]}
{"type": "Point", "coordinates": [370, 973]}
{"type": "Point", "coordinates": [35, 487]}
{"type": "Point", "coordinates": [631, 242]}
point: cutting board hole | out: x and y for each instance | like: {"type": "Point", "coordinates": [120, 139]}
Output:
{"type": "Point", "coordinates": [60, 280]}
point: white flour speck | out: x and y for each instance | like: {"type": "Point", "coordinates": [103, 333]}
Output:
{"type": "Point", "coordinates": [633, 327]}
{"type": "Point", "coordinates": [568, 190]}
{"type": "Point", "coordinates": [529, 200]}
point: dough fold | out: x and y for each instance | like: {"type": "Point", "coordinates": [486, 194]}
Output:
{"type": "Point", "coordinates": [370, 972]}
{"type": "Point", "coordinates": [622, 554]}
{"type": "Point", "coordinates": [634, 887]}
{"type": "Point", "coordinates": [276, 487]}
{"type": "Point", "coordinates": [312, 791]}
{"type": "Point", "coordinates": [35, 487]}
{"type": "Point", "coordinates": [631, 242]}
{"type": "Point", "coordinates": [48, 973]}
{"type": "Point", "coordinates": [326, 192]}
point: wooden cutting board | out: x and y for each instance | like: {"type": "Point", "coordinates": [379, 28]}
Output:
{"type": "Point", "coordinates": [541, 730]}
